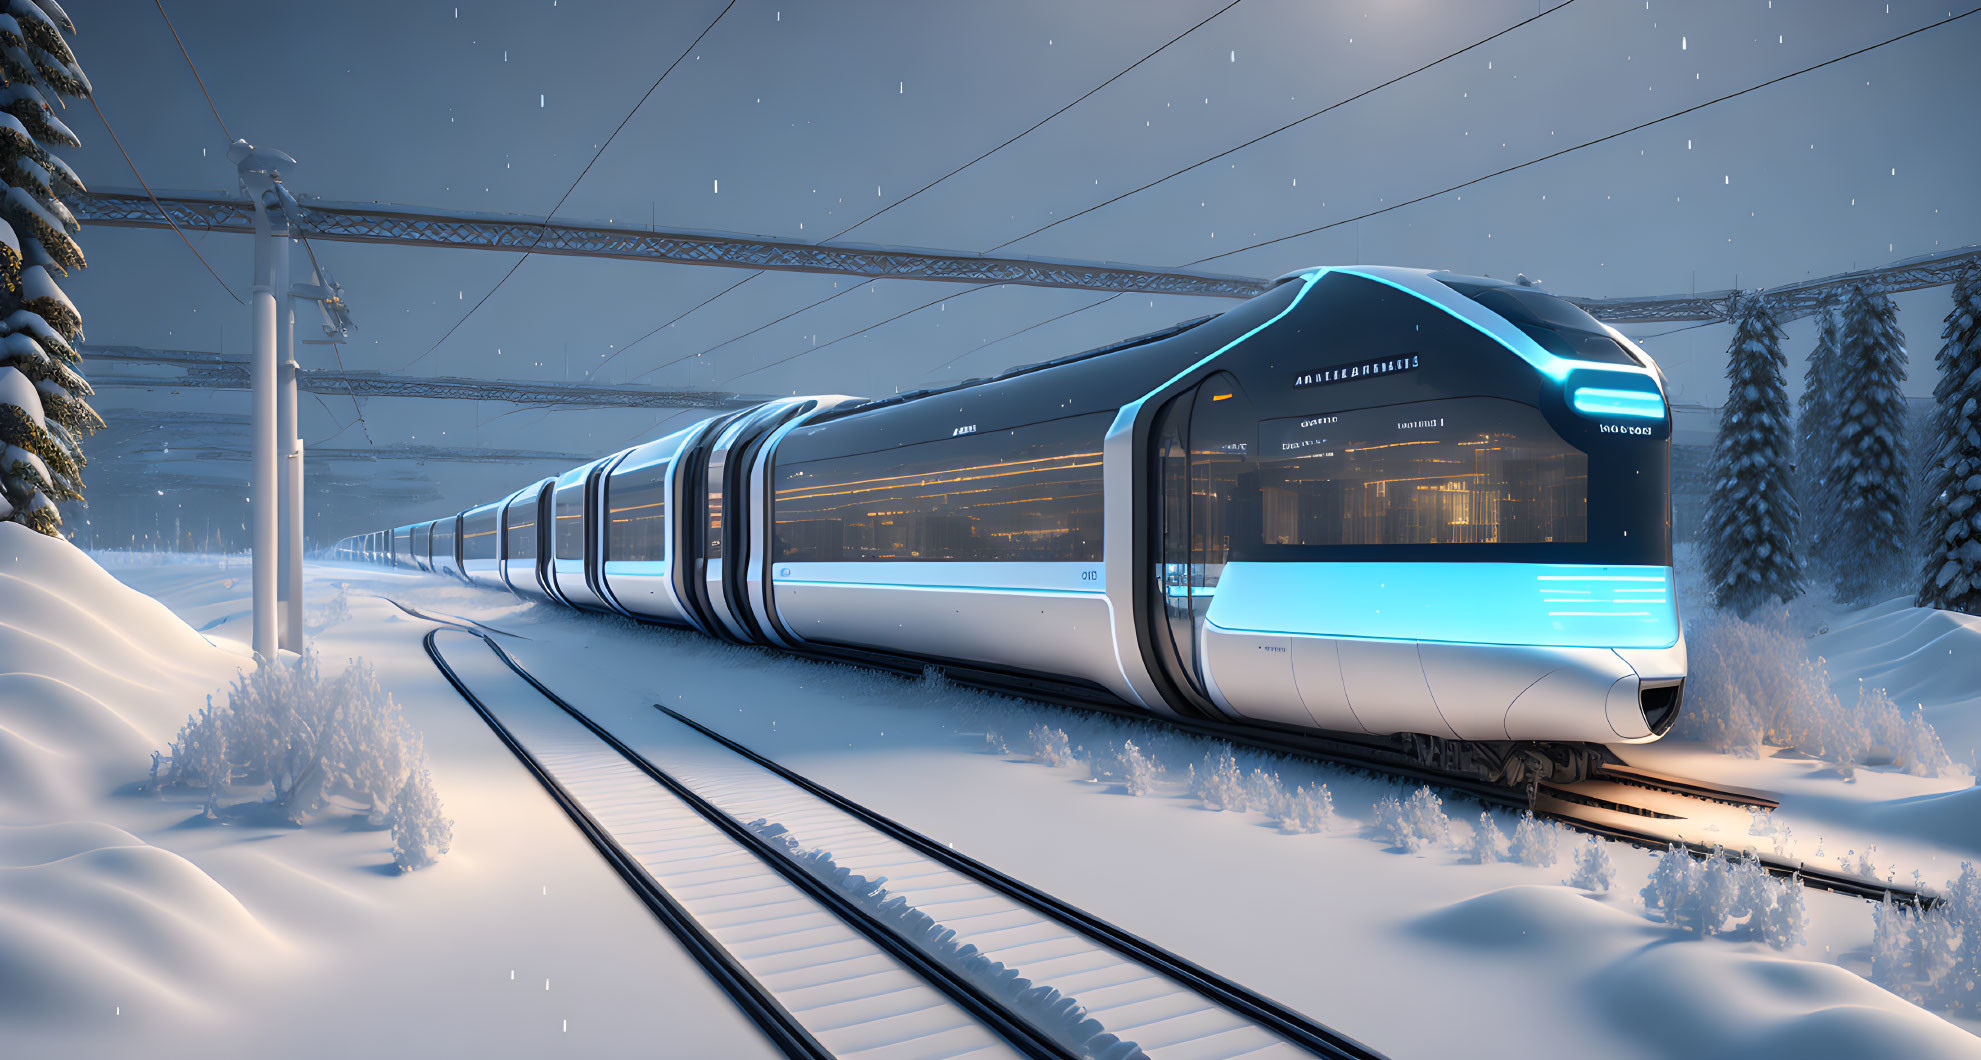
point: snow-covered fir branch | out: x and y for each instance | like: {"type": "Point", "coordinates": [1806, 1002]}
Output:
{"type": "Point", "coordinates": [44, 406]}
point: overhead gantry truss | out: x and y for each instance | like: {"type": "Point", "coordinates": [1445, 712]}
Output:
{"type": "Point", "coordinates": [214, 371]}
{"type": "Point", "coordinates": [1791, 301]}
{"type": "Point", "coordinates": [417, 226]}
{"type": "Point", "coordinates": [420, 226]}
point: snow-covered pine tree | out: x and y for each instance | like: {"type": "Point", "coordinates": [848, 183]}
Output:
{"type": "Point", "coordinates": [43, 398]}
{"type": "Point", "coordinates": [1951, 576]}
{"type": "Point", "coordinates": [1751, 514]}
{"type": "Point", "coordinates": [1869, 466]}
{"type": "Point", "coordinates": [1815, 446]}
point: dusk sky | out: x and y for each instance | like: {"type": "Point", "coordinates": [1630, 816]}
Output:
{"type": "Point", "coordinates": [800, 120]}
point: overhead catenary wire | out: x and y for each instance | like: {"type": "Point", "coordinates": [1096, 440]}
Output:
{"type": "Point", "coordinates": [754, 330]}
{"type": "Point", "coordinates": [1557, 154]}
{"type": "Point", "coordinates": [1274, 132]}
{"type": "Point", "coordinates": [1034, 127]}
{"type": "Point", "coordinates": [162, 211]}
{"type": "Point", "coordinates": [980, 347]}
{"type": "Point", "coordinates": [543, 228]}
{"type": "Point", "coordinates": [1502, 171]}
{"type": "Point", "coordinates": [814, 349]}
{"type": "Point", "coordinates": [1336, 105]}
{"type": "Point", "coordinates": [195, 69]}
{"type": "Point", "coordinates": [679, 317]}
{"type": "Point", "coordinates": [336, 349]}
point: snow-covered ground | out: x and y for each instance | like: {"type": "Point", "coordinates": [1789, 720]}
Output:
{"type": "Point", "coordinates": [130, 925]}
{"type": "Point", "coordinates": [1420, 955]}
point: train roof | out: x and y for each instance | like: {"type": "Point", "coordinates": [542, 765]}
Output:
{"type": "Point", "coordinates": [1025, 369]}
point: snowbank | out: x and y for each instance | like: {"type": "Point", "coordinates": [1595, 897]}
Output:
{"type": "Point", "coordinates": [93, 677]}
{"type": "Point", "coordinates": [92, 916]}
{"type": "Point", "coordinates": [1683, 1000]}
{"type": "Point", "coordinates": [1918, 655]}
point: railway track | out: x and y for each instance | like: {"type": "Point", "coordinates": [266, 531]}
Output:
{"type": "Point", "coordinates": [750, 863]}
{"type": "Point", "coordinates": [1620, 802]}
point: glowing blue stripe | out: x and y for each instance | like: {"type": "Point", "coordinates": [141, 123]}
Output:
{"type": "Point", "coordinates": [1556, 367]}
{"type": "Point", "coordinates": [1018, 589]}
{"type": "Point", "coordinates": [632, 568]}
{"type": "Point", "coordinates": [1595, 401]}
{"type": "Point", "coordinates": [1477, 603]}
{"type": "Point", "coordinates": [1307, 284]}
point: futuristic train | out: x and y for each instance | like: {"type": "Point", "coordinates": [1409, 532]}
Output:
{"type": "Point", "coordinates": [1413, 509]}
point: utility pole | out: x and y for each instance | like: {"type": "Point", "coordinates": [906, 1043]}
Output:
{"type": "Point", "coordinates": [289, 582]}
{"type": "Point", "coordinates": [258, 174]}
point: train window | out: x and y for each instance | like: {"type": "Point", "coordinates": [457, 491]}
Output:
{"type": "Point", "coordinates": [521, 540]}
{"type": "Point", "coordinates": [636, 513]}
{"type": "Point", "coordinates": [443, 542]}
{"type": "Point", "coordinates": [1032, 493]}
{"type": "Point", "coordinates": [1560, 327]}
{"type": "Point", "coordinates": [567, 510]}
{"type": "Point", "coordinates": [1453, 471]}
{"type": "Point", "coordinates": [478, 537]}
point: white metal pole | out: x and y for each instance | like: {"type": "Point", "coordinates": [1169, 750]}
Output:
{"type": "Point", "coordinates": [261, 336]}
{"type": "Point", "coordinates": [289, 581]}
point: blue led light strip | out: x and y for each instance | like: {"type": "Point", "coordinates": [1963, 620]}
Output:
{"type": "Point", "coordinates": [1595, 401]}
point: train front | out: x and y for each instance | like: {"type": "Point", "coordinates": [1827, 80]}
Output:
{"type": "Point", "coordinates": [1434, 506]}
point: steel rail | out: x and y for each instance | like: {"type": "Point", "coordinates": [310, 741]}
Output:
{"type": "Point", "coordinates": [1295, 1027]}
{"type": "Point", "coordinates": [1020, 1034]}
{"type": "Point", "coordinates": [1292, 1024]}
{"type": "Point", "coordinates": [750, 995]}
{"type": "Point", "coordinates": [1348, 754]}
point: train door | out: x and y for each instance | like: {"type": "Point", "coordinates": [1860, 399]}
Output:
{"type": "Point", "coordinates": [1203, 445]}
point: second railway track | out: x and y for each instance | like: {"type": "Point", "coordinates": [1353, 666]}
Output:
{"type": "Point", "coordinates": [942, 956]}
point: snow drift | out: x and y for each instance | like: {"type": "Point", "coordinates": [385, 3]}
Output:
{"type": "Point", "coordinates": [93, 676]}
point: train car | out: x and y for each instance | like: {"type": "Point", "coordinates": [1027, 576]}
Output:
{"type": "Point", "coordinates": [1421, 510]}
{"type": "Point", "coordinates": [445, 558]}
{"type": "Point", "coordinates": [421, 541]}
{"type": "Point", "coordinates": [574, 536]}
{"type": "Point", "coordinates": [481, 545]}
{"type": "Point", "coordinates": [523, 521]}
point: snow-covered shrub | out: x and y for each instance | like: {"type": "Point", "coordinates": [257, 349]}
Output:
{"type": "Point", "coordinates": [1136, 772]}
{"type": "Point", "coordinates": [1218, 785]}
{"type": "Point", "coordinates": [1139, 772]}
{"type": "Point", "coordinates": [371, 751]}
{"type": "Point", "coordinates": [1533, 842]}
{"type": "Point", "coordinates": [1895, 946]}
{"type": "Point", "coordinates": [1752, 682]}
{"type": "Point", "coordinates": [420, 832]}
{"type": "Point", "coordinates": [1413, 823]}
{"type": "Point", "coordinates": [1487, 841]}
{"type": "Point", "coordinates": [1050, 746]}
{"type": "Point", "coordinates": [1723, 896]}
{"type": "Point", "coordinates": [301, 740]}
{"type": "Point", "coordinates": [199, 756]}
{"type": "Point", "coordinates": [1593, 869]}
{"type": "Point", "coordinates": [334, 610]}
{"type": "Point", "coordinates": [1933, 958]}
{"type": "Point", "coordinates": [1307, 810]}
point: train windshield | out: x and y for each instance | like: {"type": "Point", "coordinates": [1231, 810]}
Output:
{"type": "Point", "coordinates": [1558, 326]}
